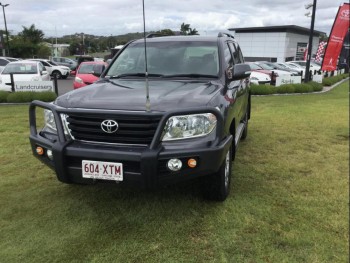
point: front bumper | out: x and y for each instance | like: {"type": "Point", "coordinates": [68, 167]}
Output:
{"type": "Point", "coordinates": [143, 166]}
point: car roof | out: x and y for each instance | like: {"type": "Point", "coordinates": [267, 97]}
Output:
{"type": "Point", "coordinates": [93, 62]}
{"type": "Point", "coordinates": [24, 61]}
{"type": "Point", "coordinates": [179, 38]}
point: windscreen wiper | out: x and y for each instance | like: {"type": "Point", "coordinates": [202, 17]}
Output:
{"type": "Point", "coordinates": [135, 75]}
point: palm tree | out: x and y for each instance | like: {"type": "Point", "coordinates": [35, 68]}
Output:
{"type": "Point", "coordinates": [32, 34]}
{"type": "Point", "coordinates": [184, 28]}
{"type": "Point", "coordinates": [187, 30]}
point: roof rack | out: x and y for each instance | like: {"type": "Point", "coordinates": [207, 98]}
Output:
{"type": "Point", "coordinates": [152, 35]}
{"type": "Point", "coordinates": [222, 34]}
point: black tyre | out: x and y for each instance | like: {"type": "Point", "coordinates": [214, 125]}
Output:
{"type": "Point", "coordinates": [57, 73]}
{"type": "Point", "coordinates": [64, 76]}
{"type": "Point", "coordinates": [217, 186]}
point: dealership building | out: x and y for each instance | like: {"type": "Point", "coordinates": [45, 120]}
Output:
{"type": "Point", "coordinates": [275, 43]}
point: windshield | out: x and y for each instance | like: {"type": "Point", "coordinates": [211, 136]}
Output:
{"type": "Point", "coordinates": [168, 58]}
{"type": "Point", "coordinates": [20, 68]}
{"type": "Point", "coordinates": [255, 66]}
{"type": "Point", "coordinates": [52, 63]}
{"type": "Point", "coordinates": [265, 66]}
{"type": "Point", "coordinates": [89, 68]}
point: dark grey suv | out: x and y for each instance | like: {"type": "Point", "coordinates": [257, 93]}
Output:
{"type": "Point", "coordinates": [175, 118]}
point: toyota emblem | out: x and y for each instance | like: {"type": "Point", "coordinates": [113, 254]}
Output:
{"type": "Point", "coordinates": [109, 126]}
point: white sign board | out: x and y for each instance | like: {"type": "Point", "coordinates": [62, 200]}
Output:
{"type": "Point", "coordinates": [286, 79]}
{"type": "Point", "coordinates": [37, 86]}
{"type": "Point", "coordinates": [317, 78]}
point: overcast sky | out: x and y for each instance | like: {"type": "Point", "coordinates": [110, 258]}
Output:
{"type": "Point", "coordinates": [116, 17]}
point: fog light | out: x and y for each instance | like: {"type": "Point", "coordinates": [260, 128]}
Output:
{"type": "Point", "coordinates": [174, 164]}
{"type": "Point", "coordinates": [39, 150]}
{"type": "Point", "coordinates": [49, 154]}
{"type": "Point", "coordinates": [192, 163]}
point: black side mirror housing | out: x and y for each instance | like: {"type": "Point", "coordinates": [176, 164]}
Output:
{"type": "Point", "coordinates": [241, 71]}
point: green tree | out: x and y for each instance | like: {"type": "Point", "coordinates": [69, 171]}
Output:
{"type": "Point", "coordinates": [166, 32]}
{"type": "Point", "coordinates": [32, 34]}
{"type": "Point", "coordinates": [185, 29]}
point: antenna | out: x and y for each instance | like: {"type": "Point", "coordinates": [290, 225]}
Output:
{"type": "Point", "coordinates": [148, 103]}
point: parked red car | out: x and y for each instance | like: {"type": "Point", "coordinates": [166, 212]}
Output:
{"type": "Point", "coordinates": [88, 72]}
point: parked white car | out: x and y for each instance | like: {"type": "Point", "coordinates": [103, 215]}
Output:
{"type": "Point", "coordinates": [259, 78]}
{"type": "Point", "coordinates": [296, 66]}
{"type": "Point", "coordinates": [61, 72]}
{"type": "Point", "coordinates": [276, 71]}
{"type": "Point", "coordinates": [24, 70]}
{"type": "Point", "coordinates": [313, 65]}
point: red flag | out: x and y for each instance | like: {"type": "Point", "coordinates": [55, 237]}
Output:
{"type": "Point", "coordinates": [336, 38]}
{"type": "Point", "coordinates": [305, 52]}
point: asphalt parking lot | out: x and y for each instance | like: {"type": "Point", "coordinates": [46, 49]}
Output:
{"type": "Point", "coordinates": [65, 85]}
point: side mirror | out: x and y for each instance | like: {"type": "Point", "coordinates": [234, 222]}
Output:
{"type": "Point", "coordinates": [241, 71]}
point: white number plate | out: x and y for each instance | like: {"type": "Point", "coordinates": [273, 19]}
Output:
{"type": "Point", "coordinates": [102, 170]}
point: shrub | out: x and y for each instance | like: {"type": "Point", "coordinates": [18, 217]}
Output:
{"type": "Point", "coordinates": [46, 96]}
{"type": "Point", "coordinates": [3, 96]}
{"type": "Point", "coordinates": [303, 88]}
{"type": "Point", "coordinates": [286, 88]}
{"type": "Point", "coordinates": [327, 82]}
{"type": "Point", "coordinates": [315, 86]}
{"type": "Point", "coordinates": [28, 96]}
{"type": "Point", "coordinates": [262, 89]}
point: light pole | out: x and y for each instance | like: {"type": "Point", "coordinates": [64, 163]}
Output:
{"type": "Point", "coordinates": [7, 34]}
{"type": "Point", "coordinates": [311, 36]}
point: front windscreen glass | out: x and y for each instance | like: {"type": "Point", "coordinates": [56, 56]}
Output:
{"type": "Point", "coordinates": [168, 58]}
{"type": "Point", "coordinates": [20, 68]}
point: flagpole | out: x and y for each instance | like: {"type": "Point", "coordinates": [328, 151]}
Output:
{"type": "Point", "coordinates": [311, 36]}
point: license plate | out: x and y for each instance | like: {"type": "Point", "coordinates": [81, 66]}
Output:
{"type": "Point", "coordinates": [102, 170]}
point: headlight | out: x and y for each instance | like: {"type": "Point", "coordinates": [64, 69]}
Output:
{"type": "Point", "coordinates": [79, 80]}
{"type": "Point", "coordinates": [50, 122]}
{"type": "Point", "coordinates": [188, 126]}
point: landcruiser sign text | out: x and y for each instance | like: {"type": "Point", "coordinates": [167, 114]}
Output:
{"type": "Point", "coordinates": [34, 86]}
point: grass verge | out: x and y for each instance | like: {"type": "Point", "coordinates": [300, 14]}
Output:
{"type": "Point", "coordinates": [289, 199]}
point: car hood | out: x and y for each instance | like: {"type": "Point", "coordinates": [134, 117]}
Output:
{"type": "Point", "coordinates": [165, 95]}
{"type": "Point", "coordinates": [17, 77]}
{"type": "Point", "coordinates": [89, 78]}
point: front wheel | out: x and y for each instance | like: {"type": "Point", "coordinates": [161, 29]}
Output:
{"type": "Point", "coordinates": [57, 74]}
{"type": "Point", "coordinates": [217, 186]}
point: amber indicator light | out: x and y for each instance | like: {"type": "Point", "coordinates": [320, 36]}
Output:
{"type": "Point", "coordinates": [40, 150]}
{"type": "Point", "coordinates": [192, 163]}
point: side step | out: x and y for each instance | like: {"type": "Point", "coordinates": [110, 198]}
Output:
{"type": "Point", "coordinates": [239, 132]}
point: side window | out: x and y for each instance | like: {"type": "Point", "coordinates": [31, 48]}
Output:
{"type": "Point", "coordinates": [41, 67]}
{"type": "Point", "coordinates": [45, 64]}
{"type": "Point", "coordinates": [240, 55]}
{"type": "Point", "coordinates": [228, 56]}
{"type": "Point", "coordinates": [235, 53]}
{"type": "Point", "coordinates": [3, 62]}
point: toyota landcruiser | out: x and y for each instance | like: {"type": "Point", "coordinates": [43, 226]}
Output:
{"type": "Point", "coordinates": [166, 109]}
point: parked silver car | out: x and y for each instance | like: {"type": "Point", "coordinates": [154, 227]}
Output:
{"type": "Point", "coordinates": [72, 64]}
